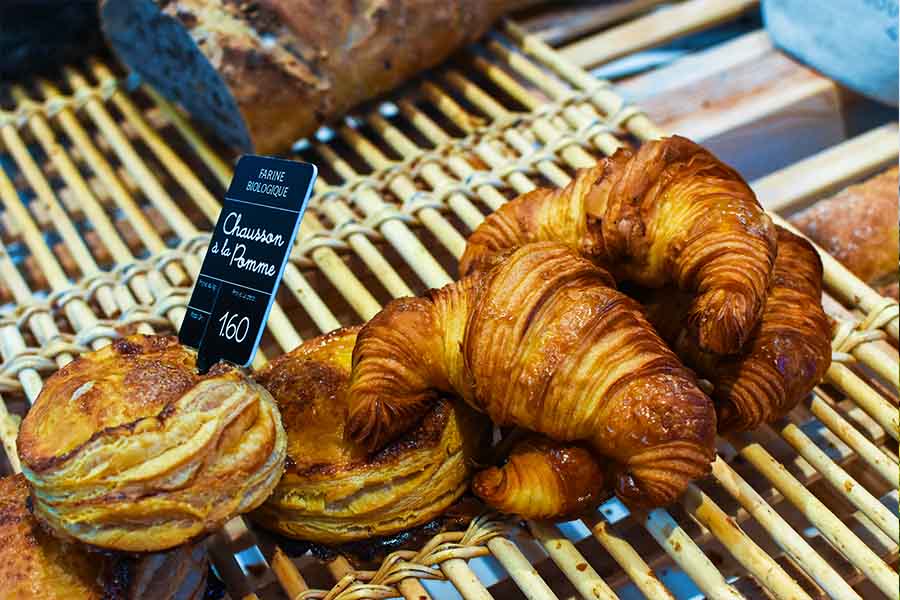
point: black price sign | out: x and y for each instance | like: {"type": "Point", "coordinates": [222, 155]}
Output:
{"type": "Point", "coordinates": [245, 259]}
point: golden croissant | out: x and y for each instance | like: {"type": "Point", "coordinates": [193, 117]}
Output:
{"type": "Point", "coordinates": [787, 354]}
{"type": "Point", "coordinates": [671, 213]}
{"type": "Point", "coordinates": [542, 341]}
{"type": "Point", "coordinates": [544, 479]}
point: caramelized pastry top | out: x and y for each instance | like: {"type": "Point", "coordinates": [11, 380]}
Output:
{"type": "Point", "coordinates": [334, 490]}
{"type": "Point", "coordinates": [146, 374]}
{"type": "Point", "coordinates": [308, 385]}
{"type": "Point", "coordinates": [34, 564]}
{"type": "Point", "coordinates": [129, 448]}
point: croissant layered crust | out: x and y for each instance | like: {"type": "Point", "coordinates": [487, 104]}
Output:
{"type": "Point", "coordinates": [335, 491]}
{"type": "Point", "coordinates": [36, 564]}
{"type": "Point", "coordinates": [544, 479]}
{"type": "Point", "coordinates": [129, 448]}
{"type": "Point", "coordinates": [787, 354]}
{"type": "Point", "coordinates": [542, 341]}
{"type": "Point", "coordinates": [670, 213]}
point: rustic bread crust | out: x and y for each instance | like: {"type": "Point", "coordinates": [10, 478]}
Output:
{"type": "Point", "coordinates": [858, 226]}
{"type": "Point", "coordinates": [263, 74]}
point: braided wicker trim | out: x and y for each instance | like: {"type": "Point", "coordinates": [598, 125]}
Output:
{"type": "Point", "coordinates": [850, 334]}
{"type": "Point", "coordinates": [881, 315]}
{"type": "Point", "coordinates": [50, 107]}
{"type": "Point", "coordinates": [380, 179]}
{"type": "Point", "coordinates": [423, 564]}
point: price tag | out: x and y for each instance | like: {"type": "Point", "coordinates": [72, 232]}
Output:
{"type": "Point", "coordinates": [245, 259]}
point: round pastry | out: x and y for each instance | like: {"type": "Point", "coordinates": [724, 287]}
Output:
{"type": "Point", "coordinates": [129, 448]}
{"type": "Point", "coordinates": [35, 564]}
{"type": "Point", "coordinates": [333, 491]}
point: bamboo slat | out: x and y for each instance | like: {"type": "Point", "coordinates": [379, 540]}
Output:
{"type": "Point", "coordinates": [653, 29]}
{"type": "Point", "coordinates": [563, 552]}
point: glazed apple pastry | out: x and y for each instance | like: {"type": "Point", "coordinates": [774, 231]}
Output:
{"type": "Point", "coordinates": [35, 564]}
{"type": "Point", "coordinates": [334, 490]}
{"type": "Point", "coordinates": [129, 448]}
{"type": "Point", "coordinates": [545, 342]}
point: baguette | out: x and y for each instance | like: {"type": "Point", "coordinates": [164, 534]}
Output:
{"type": "Point", "coordinates": [263, 74]}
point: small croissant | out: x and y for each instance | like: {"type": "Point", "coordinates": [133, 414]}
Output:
{"type": "Point", "coordinates": [542, 341]}
{"type": "Point", "coordinates": [544, 479]}
{"type": "Point", "coordinates": [670, 213]}
{"type": "Point", "coordinates": [787, 354]}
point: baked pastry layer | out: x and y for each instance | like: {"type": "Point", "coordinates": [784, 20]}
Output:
{"type": "Point", "coordinates": [333, 490]}
{"type": "Point", "coordinates": [129, 448]}
{"type": "Point", "coordinates": [787, 354]}
{"type": "Point", "coordinates": [35, 564]}
{"type": "Point", "coordinates": [541, 341]}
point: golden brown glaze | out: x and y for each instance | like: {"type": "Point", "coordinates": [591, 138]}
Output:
{"type": "Point", "coordinates": [671, 213]}
{"type": "Point", "coordinates": [128, 448]}
{"type": "Point", "coordinates": [34, 564]}
{"type": "Point", "coordinates": [858, 226]}
{"type": "Point", "coordinates": [544, 342]}
{"type": "Point", "coordinates": [787, 355]}
{"type": "Point", "coordinates": [543, 479]}
{"type": "Point", "coordinates": [334, 490]}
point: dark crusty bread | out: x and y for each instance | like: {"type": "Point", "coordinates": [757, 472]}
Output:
{"type": "Point", "coordinates": [262, 74]}
{"type": "Point", "coordinates": [858, 226]}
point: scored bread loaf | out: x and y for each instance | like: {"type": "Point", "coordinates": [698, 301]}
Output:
{"type": "Point", "coordinates": [261, 74]}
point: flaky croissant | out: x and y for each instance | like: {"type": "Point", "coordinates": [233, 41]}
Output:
{"type": "Point", "coordinates": [671, 213]}
{"type": "Point", "coordinates": [545, 342]}
{"type": "Point", "coordinates": [787, 355]}
{"type": "Point", "coordinates": [544, 479]}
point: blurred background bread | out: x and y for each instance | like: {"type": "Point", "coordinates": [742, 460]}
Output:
{"type": "Point", "coordinates": [858, 226]}
{"type": "Point", "coordinates": [261, 75]}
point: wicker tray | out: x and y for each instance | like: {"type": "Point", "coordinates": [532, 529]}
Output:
{"type": "Point", "coordinates": [107, 192]}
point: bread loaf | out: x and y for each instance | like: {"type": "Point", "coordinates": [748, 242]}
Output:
{"type": "Point", "coordinates": [262, 74]}
{"type": "Point", "coordinates": [858, 226]}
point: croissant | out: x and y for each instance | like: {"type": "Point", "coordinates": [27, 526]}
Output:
{"type": "Point", "coordinates": [333, 491]}
{"type": "Point", "coordinates": [545, 342]}
{"type": "Point", "coordinates": [670, 213]}
{"type": "Point", "coordinates": [788, 352]}
{"type": "Point", "coordinates": [544, 479]}
{"type": "Point", "coordinates": [129, 448]}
